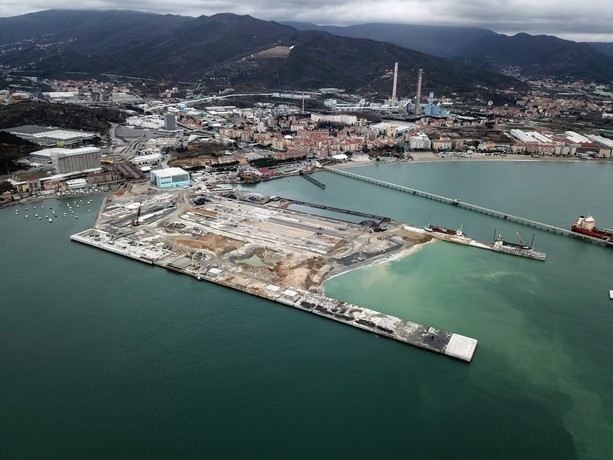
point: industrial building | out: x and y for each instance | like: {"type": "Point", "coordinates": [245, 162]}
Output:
{"type": "Point", "coordinates": [73, 160]}
{"type": "Point", "coordinates": [170, 177]}
{"type": "Point", "coordinates": [150, 159]}
{"type": "Point", "coordinates": [48, 136]}
{"type": "Point", "coordinates": [170, 122]}
{"type": "Point", "coordinates": [434, 110]}
{"type": "Point", "coordinates": [338, 118]}
{"type": "Point", "coordinates": [76, 184]}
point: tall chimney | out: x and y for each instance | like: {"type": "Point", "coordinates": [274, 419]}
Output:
{"type": "Point", "coordinates": [395, 84]}
{"type": "Point", "coordinates": [420, 75]}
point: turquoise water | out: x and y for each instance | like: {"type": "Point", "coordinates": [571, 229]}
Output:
{"type": "Point", "coordinates": [104, 357]}
{"type": "Point", "coordinates": [254, 261]}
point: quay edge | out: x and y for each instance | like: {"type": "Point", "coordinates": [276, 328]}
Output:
{"type": "Point", "coordinates": [443, 342]}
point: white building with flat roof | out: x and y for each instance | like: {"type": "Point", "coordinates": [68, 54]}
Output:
{"type": "Point", "coordinates": [420, 142]}
{"type": "Point", "coordinates": [151, 159]}
{"type": "Point", "coordinates": [170, 178]}
{"type": "Point", "coordinates": [74, 184]}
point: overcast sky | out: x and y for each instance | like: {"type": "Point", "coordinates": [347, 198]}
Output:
{"type": "Point", "coordinates": [588, 20]}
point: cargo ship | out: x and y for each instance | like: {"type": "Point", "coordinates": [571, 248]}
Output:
{"type": "Point", "coordinates": [587, 226]}
{"type": "Point", "coordinates": [500, 241]}
{"type": "Point", "coordinates": [446, 231]}
{"type": "Point", "coordinates": [522, 248]}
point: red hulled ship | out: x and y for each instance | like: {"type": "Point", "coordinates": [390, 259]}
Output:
{"type": "Point", "coordinates": [587, 226]}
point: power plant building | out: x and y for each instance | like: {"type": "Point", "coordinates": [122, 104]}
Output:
{"type": "Point", "coordinates": [170, 178]}
{"type": "Point", "coordinates": [72, 160]}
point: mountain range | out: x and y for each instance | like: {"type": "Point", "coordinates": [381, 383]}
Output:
{"type": "Point", "coordinates": [531, 56]}
{"type": "Point", "coordinates": [243, 52]}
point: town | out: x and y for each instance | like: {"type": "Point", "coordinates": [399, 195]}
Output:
{"type": "Point", "coordinates": [230, 137]}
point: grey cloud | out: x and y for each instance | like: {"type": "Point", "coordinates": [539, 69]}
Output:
{"type": "Point", "coordinates": [554, 17]}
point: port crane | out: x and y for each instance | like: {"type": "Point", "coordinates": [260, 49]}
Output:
{"type": "Point", "coordinates": [523, 243]}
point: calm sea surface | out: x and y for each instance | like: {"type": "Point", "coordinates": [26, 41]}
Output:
{"type": "Point", "coordinates": [105, 357]}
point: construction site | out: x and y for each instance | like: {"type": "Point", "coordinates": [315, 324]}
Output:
{"type": "Point", "coordinates": [272, 247]}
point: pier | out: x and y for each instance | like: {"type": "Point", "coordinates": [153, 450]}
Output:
{"type": "Point", "coordinates": [270, 251]}
{"type": "Point", "coordinates": [338, 210]}
{"type": "Point", "coordinates": [528, 253]}
{"type": "Point", "coordinates": [470, 207]}
{"type": "Point", "coordinates": [312, 179]}
{"type": "Point", "coordinates": [426, 337]}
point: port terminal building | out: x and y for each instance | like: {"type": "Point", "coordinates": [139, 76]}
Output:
{"type": "Point", "coordinates": [170, 178]}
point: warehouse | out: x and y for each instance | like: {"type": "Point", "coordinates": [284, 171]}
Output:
{"type": "Point", "coordinates": [49, 136]}
{"type": "Point", "coordinates": [170, 177]}
{"type": "Point", "coordinates": [44, 156]}
{"type": "Point", "coordinates": [73, 160]}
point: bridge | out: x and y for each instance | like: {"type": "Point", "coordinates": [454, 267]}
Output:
{"type": "Point", "coordinates": [469, 206]}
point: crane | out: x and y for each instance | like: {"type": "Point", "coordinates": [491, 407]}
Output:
{"type": "Point", "coordinates": [135, 221]}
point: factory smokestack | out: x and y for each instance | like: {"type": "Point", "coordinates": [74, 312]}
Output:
{"type": "Point", "coordinates": [395, 84]}
{"type": "Point", "coordinates": [420, 74]}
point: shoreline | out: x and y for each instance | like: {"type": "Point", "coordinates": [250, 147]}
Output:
{"type": "Point", "coordinates": [426, 157]}
{"type": "Point", "coordinates": [383, 259]}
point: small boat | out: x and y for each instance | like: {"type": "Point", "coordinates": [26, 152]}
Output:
{"type": "Point", "coordinates": [446, 231]}
{"type": "Point", "coordinates": [611, 294]}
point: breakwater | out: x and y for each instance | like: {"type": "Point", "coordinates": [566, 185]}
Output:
{"type": "Point", "coordinates": [421, 336]}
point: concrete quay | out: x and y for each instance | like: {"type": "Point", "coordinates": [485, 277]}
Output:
{"type": "Point", "coordinates": [127, 248]}
{"type": "Point", "coordinates": [496, 247]}
{"type": "Point", "coordinates": [429, 338]}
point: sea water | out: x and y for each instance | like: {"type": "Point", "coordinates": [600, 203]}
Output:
{"type": "Point", "coordinates": [105, 357]}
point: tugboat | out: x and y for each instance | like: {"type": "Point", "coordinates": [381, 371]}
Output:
{"type": "Point", "coordinates": [587, 226]}
{"type": "Point", "coordinates": [446, 231]}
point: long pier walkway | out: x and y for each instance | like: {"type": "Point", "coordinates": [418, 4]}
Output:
{"type": "Point", "coordinates": [312, 180]}
{"type": "Point", "coordinates": [469, 206]}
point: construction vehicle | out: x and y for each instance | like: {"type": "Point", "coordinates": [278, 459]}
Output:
{"type": "Point", "coordinates": [135, 221]}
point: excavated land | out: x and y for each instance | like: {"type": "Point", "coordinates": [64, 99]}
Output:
{"type": "Point", "coordinates": [253, 237]}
